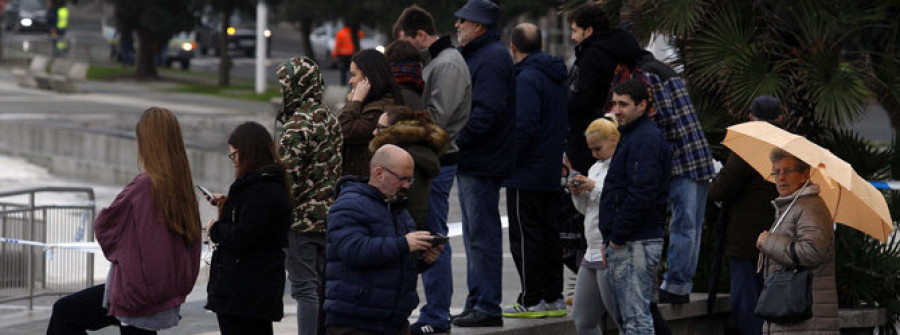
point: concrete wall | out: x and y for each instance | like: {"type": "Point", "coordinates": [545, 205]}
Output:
{"type": "Point", "coordinates": [101, 156]}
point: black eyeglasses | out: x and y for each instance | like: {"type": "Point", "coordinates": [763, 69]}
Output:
{"type": "Point", "coordinates": [380, 127]}
{"type": "Point", "coordinates": [232, 155]}
{"type": "Point", "coordinates": [401, 179]}
{"type": "Point", "coordinates": [461, 20]}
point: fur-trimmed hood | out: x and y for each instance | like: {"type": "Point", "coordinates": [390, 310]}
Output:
{"type": "Point", "coordinates": [412, 132]}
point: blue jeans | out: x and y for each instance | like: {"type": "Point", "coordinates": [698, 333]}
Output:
{"type": "Point", "coordinates": [479, 199]}
{"type": "Point", "coordinates": [631, 276]}
{"type": "Point", "coordinates": [438, 280]}
{"type": "Point", "coordinates": [745, 287]}
{"type": "Point", "coordinates": [305, 265]}
{"type": "Point", "coordinates": [688, 200]}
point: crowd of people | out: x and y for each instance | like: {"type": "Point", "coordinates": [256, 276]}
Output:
{"type": "Point", "coordinates": [354, 207]}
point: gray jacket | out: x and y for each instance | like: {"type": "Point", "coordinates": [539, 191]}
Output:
{"type": "Point", "coordinates": [448, 89]}
{"type": "Point", "coordinates": [808, 224]}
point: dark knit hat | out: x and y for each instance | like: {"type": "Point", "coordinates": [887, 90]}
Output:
{"type": "Point", "coordinates": [481, 11]}
{"type": "Point", "coordinates": [765, 108]}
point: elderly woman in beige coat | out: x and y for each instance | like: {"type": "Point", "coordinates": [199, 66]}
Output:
{"type": "Point", "coordinates": [809, 226]}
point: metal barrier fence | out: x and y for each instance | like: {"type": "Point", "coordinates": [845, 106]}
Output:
{"type": "Point", "coordinates": [29, 271]}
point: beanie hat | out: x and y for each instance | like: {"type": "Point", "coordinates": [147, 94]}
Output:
{"type": "Point", "coordinates": [765, 107]}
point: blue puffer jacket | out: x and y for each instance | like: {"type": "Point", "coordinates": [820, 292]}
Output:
{"type": "Point", "coordinates": [487, 142]}
{"type": "Point", "coordinates": [633, 203]}
{"type": "Point", "coordinates": [541, 114]}
{"type": "Point", "coordinates": [371, 275]}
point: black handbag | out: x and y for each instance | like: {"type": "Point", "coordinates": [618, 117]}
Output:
{"type": "Point", "coordinates": [786, 297]}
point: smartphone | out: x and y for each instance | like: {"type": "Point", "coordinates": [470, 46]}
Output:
{"type": "Point", "coordinates": [207, 193]}
{"type": "Point", "coordinates": [438, 239]}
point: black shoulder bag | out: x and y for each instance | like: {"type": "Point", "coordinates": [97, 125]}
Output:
{"type": "Point", "coordinates": [786, 297]}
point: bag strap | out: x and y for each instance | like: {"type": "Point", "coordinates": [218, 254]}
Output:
{"type": "Point", "coordinates": [794, 257]}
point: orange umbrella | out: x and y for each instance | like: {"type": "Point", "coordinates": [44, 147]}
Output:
{"type": "Point", "coordinates": [852, 200]}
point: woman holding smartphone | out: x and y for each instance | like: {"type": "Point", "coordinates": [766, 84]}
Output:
{"type": "Point", "coordinates": [246, 280]}
{"type": "Point", "coordinates": [373, 92]}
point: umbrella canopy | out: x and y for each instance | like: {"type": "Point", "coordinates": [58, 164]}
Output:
{"type": "Point", "coordinates": [851, 200]}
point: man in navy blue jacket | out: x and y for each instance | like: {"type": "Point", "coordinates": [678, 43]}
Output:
{"type": "Point", "coordinates": [486, 156]}
{"type": "Point", "coordinates": [372, 269]}
{"type": "Point", "coordinates": [633, 208]}
{"type": "Point", "coordinates": [533, 189]}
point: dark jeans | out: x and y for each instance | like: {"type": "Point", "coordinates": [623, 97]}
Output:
{"type": "Point", "coordinates": [438, 280]}
{"type": "Point", "coordinates": [305, 265]}
{"type": "Point", "coordinates": [534, 244]}
{"type": "Point", "coordinates": [239, 325]}
{"type": "Point", "coordinates": [479, 200]}
{"type": "Point", "coordinates": [82, 311]}
{"type": "Point", "coordinates": [745, 287]}
{"type": "Point", "coordinates": [344, 66]}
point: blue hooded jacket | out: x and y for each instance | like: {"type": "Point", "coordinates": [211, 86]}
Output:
{"type": "Point", "coordinates": [371, 274]}
{"type": "Point", "coordinates": [541, 114]}
{"type": "Point", "coordinates": [487, 142]}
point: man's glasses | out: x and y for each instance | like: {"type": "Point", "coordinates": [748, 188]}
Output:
{"type": "Point", "coordinates": [232, 155]}
{"type": "Point", "coordinates": [401, 179]}
{"type": "Point", "coordinates": [380, 127]}
{"type": "Point", "coordinates": [776, 173]}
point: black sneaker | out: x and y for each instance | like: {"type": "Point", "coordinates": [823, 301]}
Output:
{"type": "Point", "coordinates": [478, 319]}
{"type": "Point", "coordinates": [461, 314]}
{"type": "Point", "coordinates": [420, 328]}
{"type": "Point", "coordinates": [671, 298]}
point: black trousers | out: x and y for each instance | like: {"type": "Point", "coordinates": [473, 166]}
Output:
{"type": "Point", "coordinates": [82, 311]}
{"type": "Point", "coordinates": [534, 244]}
{"type": "Point", "coordinates": [239, 325]}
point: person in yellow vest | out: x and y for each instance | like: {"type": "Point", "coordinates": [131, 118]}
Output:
{"type": "Point", "coordinates": [58, 17]}
{"type": "Point", "coordinates": [344, 49]}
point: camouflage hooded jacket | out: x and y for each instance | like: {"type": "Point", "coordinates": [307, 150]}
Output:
{"type": "Point", "coordinates": [310, 144]}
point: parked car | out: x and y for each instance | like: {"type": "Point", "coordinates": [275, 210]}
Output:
{"type": "Point", "coordinates": [322, 40]}
{"type": "Point", "coordinates": [26, 15]}
{"type": "Point", "coordinates": [241, 34]}
{"type": "Point", "coordinates": [181, 49]}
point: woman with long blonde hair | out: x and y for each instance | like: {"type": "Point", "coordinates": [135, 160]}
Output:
{"type": "Point", "coordinates": [150, 234]}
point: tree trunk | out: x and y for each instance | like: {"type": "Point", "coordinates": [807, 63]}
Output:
{"type": "Point", "coordinates": [146, 58]}
{"type": "Point", "coordinates": [224, 59]}
{"type": "Point", "coordinates": [305, 29]}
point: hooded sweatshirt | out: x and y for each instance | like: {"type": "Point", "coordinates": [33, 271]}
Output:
{"type": "Point", "coordinates": [596, 59]}
{"type": "Point", "coordinates": [310, 144]}
{"type": "Point", "coordinates": [541, 107]}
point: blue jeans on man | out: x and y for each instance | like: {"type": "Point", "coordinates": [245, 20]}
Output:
{"type": "Point", "coordinates": [479, 199]}
{"type": "Point", "coordinates": [306, 272]}
{"type": "Point", "coordinates": [631, 276]}
{"type": "Point", "coordinates": [746, 284]}
{"type": "Point", "coordinates": [687, 198]}
{"type": "Point", "coordinates": [438, 280]}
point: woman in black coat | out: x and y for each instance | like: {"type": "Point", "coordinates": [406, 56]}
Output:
{"type": "Point", "coordinates": [246, 281]}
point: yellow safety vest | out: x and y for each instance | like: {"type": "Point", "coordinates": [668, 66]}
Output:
{"type": "Point", "coordinates": [62, 18]}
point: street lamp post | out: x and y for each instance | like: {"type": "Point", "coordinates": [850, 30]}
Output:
{"type": "Point", "coordinates": [261, 47]}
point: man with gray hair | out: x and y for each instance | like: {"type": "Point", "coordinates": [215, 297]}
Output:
{"type": "Point", "coordinates": [746, 195]}
{"type": "Point", "coordinates": [532, 191]}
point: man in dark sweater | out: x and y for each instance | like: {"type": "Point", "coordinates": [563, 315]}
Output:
{"type": "Point", "coordinates": [747, 196]}
{"type": "Point", "coordinates": [633, 208]}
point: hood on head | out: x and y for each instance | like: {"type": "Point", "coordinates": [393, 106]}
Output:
{"type": "Point", "coordinates": [618, 43]}
{"type": "Point", "coordinates": [301, 84]}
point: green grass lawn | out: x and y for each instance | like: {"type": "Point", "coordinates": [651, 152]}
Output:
{"type": "Point", "coordinates": [191, 82]}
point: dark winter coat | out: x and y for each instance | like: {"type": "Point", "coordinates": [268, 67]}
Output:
{"type": "Point", "coordinates": [541, 107]}
{"type": "Point", "coordinates": [246, 276]}
{"type": "Point", "coordinates": [748, 197]}
{"type": "Point", "coordinates": [487, 145]}
{"type": "Point", "coordinates": [633, 202]}
{"type": "Point", "coordinates": [371, 274]}
{"type": "Point", "coordinates": [425, 143]}
{"type": "Point", "coordinates": [357, 123]}
{"type": "Point", "coordinates": [596, 58]}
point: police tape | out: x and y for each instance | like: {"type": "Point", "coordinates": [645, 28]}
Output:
{"type": "Point", "coordinates": [886, 184]}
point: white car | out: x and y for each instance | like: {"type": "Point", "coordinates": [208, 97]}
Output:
{"type": "Point", "coordinates": [322, 40]}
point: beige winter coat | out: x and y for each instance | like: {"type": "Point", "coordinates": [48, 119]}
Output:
{"type": "Point", "coordinates": [808, 224]}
